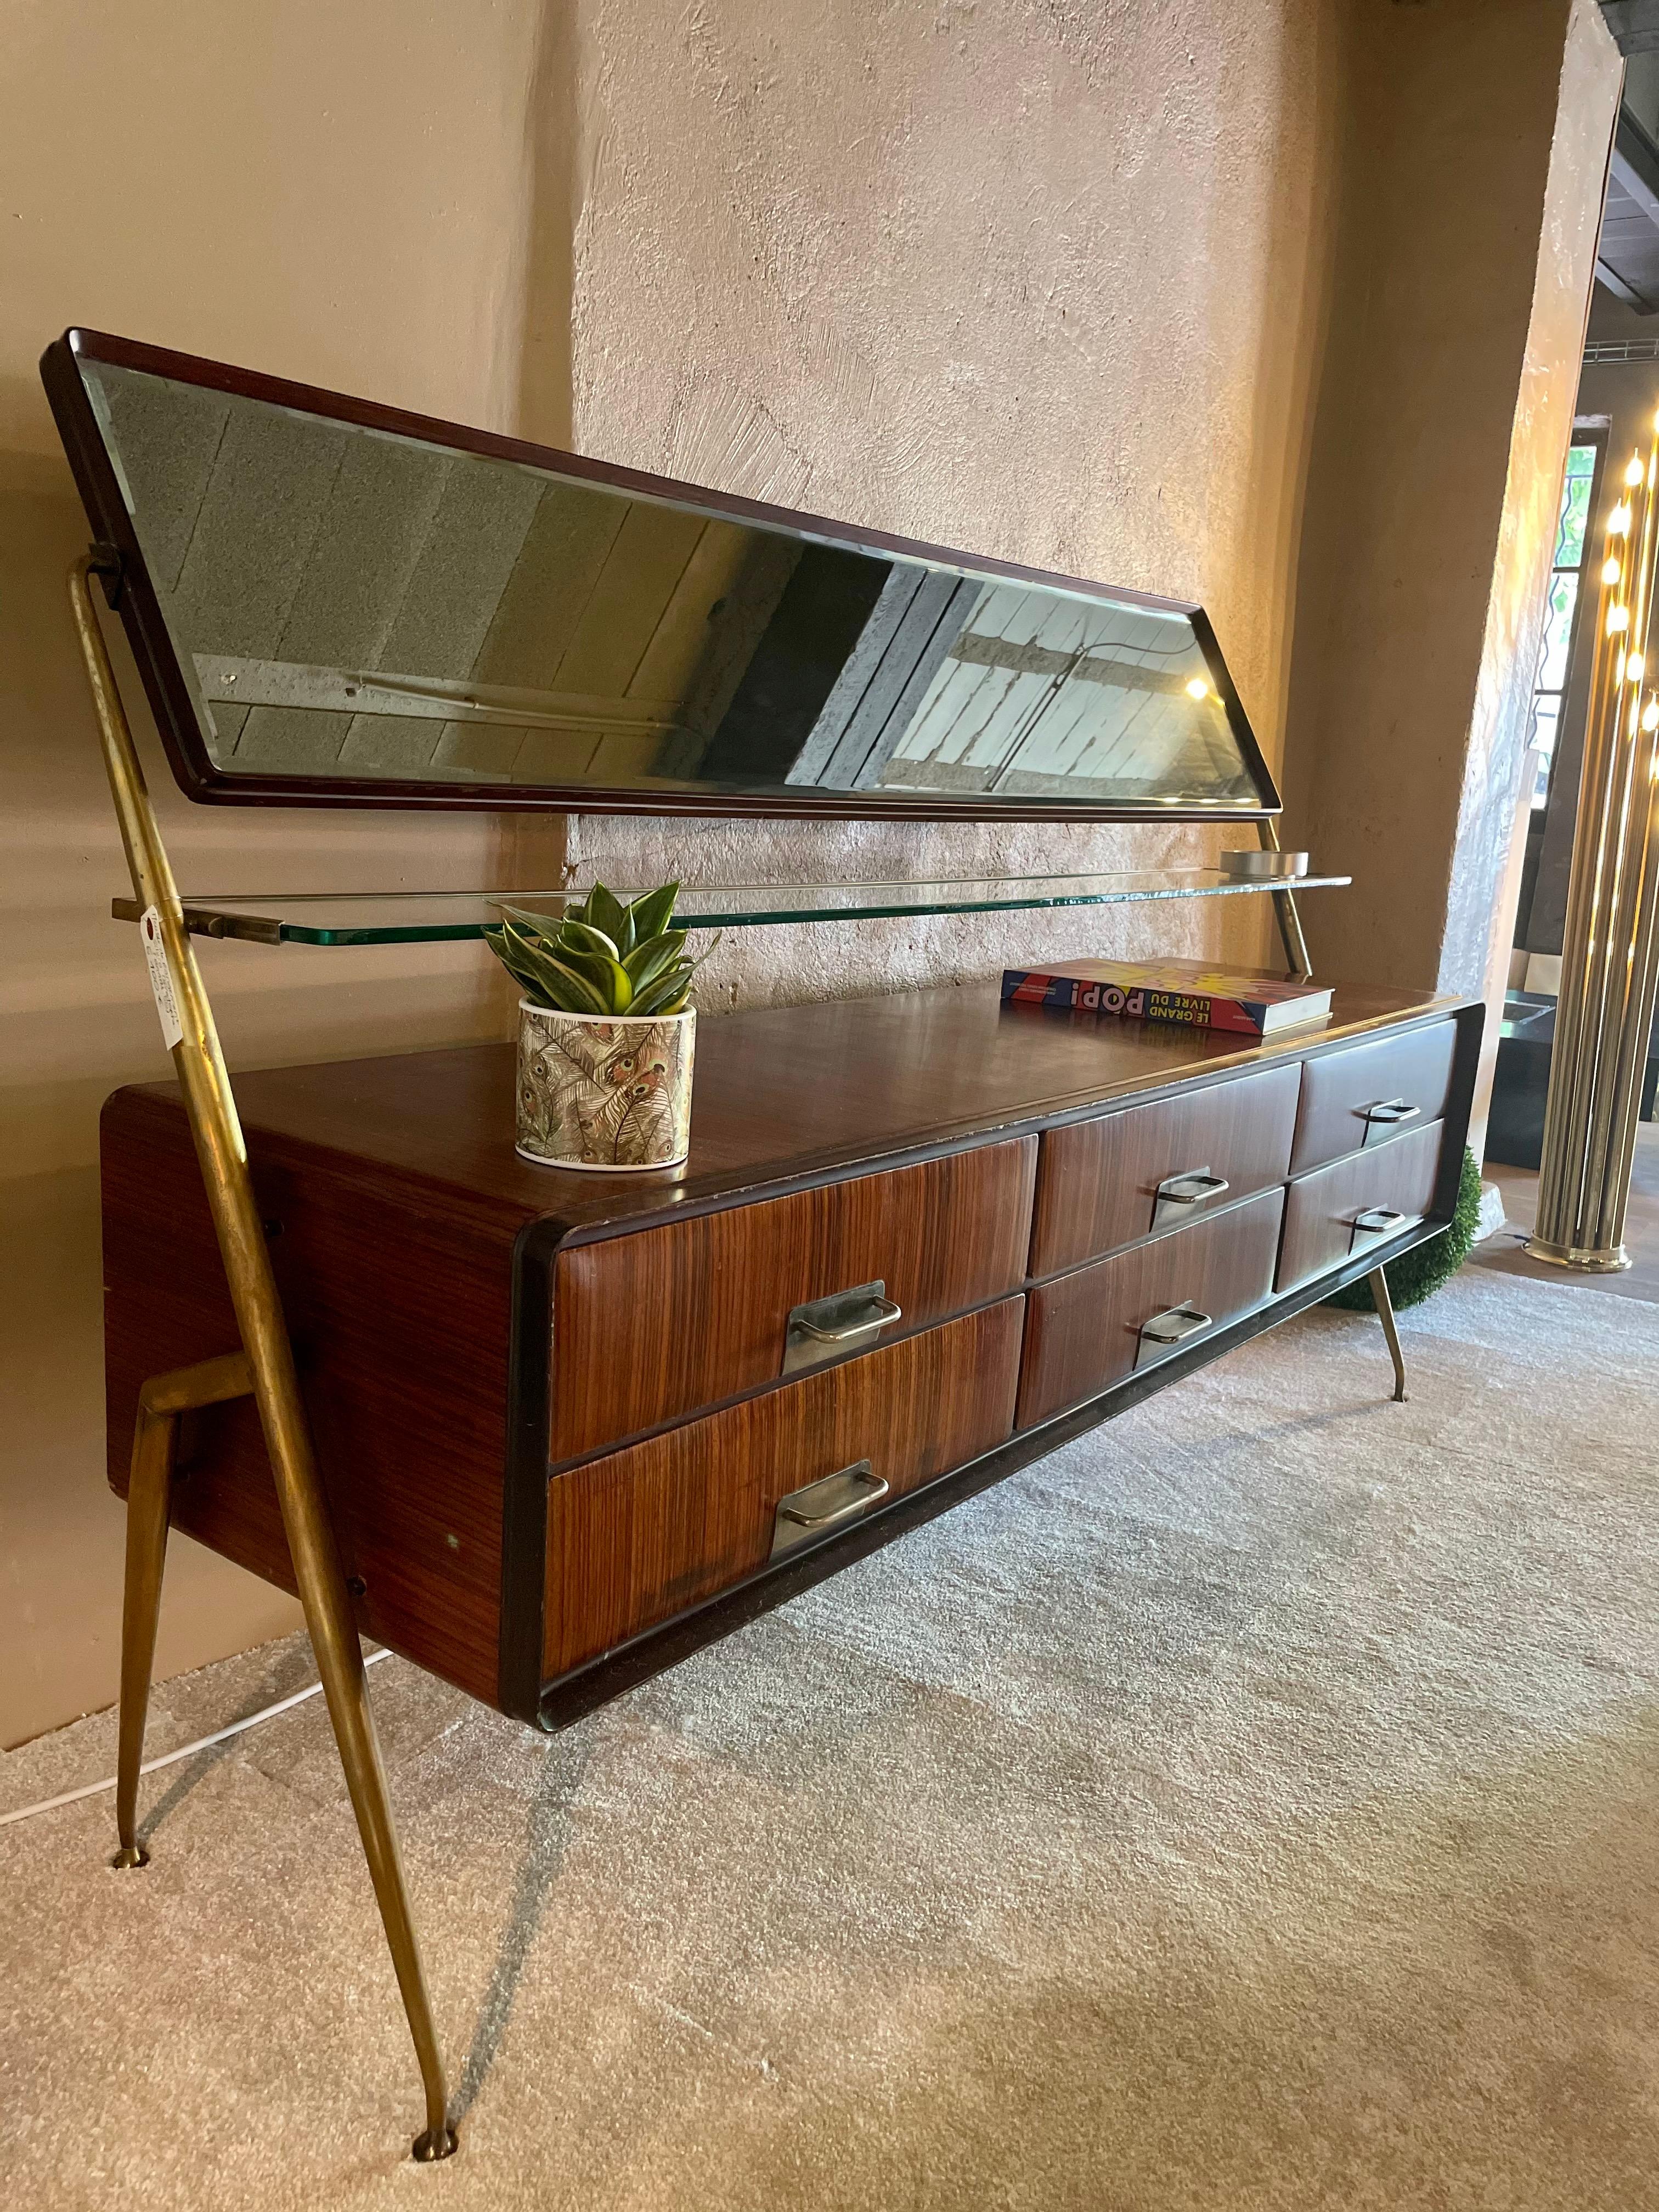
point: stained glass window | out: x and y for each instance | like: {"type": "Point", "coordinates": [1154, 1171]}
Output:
{"type": "Point", "coordinates": [1555, 652]}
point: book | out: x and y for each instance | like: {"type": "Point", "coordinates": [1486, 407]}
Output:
{"type": "Point", "coordinates": [1169, 991]}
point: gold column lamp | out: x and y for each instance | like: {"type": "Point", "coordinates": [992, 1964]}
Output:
{"type": "Point", "coordinates": [1604, 1015]}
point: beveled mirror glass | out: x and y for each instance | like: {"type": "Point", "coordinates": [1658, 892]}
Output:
{"type": "Point", "coordinates": [341, 606]}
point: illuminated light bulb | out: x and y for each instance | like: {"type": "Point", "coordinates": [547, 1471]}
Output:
{"type": "Point", "coordinates": [1618, 521]}
{"type": "Point", "coordinates": [1617, 619]}
{"type": "Point", "coordinates": [1650, 714]}
{"type": "Point", "coordinates": [1633, 666]}
{"type": "Point", "coordinates": [1198, 689]}
{"type": "Point", "coordinates": [1635, 472]}
{"type": "Point", "coordinates": [1611, 572]}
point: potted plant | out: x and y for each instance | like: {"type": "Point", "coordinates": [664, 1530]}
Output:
{"type": "Point", "coordinates": [606, 1038]}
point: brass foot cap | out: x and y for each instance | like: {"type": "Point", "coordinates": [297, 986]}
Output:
{"type": "Point", "coordinates": [435, 2143]}
{"type": "Point", "coordinates": [130, 1854]}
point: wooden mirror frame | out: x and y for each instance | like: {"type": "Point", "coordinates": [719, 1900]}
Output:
{"type": "Point", "coordinates": [129, 590]}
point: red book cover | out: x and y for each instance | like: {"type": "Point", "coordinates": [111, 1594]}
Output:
{"type": "Point", "coordinates": [1170, 991]}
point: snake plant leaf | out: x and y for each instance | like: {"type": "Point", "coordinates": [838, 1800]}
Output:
{"type": "Point", "coordinates": [582, 937]}
{"type": "Point", "coordinates": [666, 993]}
{"type": "Point", "coordinates": [526, 955]}
{"type": "Point", "coordinates": [530, 924]}
{"type": "Point", "coordinates": [652, 914]}
{"type": "Point", "coordinates": [606, 912]}
{"type": "Point", "coordinates": [600, 958]}
{"type": "Point", "coordinates": [649, 959]}
{"type": "Point", "coordinates": [595, 966]}
{"type": "Point", "coordinates": [552, 982]}
{"type": "Point", "coordinates": [570, 993]}
{"type": "Point", "coordinates": [517, 968]}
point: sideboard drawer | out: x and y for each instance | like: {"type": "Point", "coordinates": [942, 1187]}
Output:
{"type": "Point", "coordinates": [1373, 1094]}
{"type": "Point", "coordinates": [651, 1327]}
{"type": "Point", "coordinates": [1326, 1215]}
{"type": "Point", "coordinates": [645, 1533]}
{"type": "Point", "coordinates": [1099, 1183]}
{"type": "Point", "coordinates": [1085, 1331]}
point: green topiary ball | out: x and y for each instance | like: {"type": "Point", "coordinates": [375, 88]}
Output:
{"type": "Point", "coordinates": [1422, 1270]}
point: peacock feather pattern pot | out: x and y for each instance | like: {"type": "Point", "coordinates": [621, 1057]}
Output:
{"type": "Point", "coordinates": [610, 1093]}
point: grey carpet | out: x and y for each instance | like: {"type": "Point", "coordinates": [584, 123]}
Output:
{"type": "Point", "coordinates": [1252, 1806]}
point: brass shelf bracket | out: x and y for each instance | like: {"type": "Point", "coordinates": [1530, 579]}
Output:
{"type": "Point", "coordinates": [1285, 912]}
{"type": "Point", "coordinates": [264, 1366]}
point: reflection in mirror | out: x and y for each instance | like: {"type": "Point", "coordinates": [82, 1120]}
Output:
{"type": "Point", "coordinates": [349, 604]}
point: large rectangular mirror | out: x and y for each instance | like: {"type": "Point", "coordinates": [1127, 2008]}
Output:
{"type": "Point", "coordinates": [335, 604]}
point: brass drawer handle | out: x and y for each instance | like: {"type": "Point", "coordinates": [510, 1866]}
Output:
{"type": "Point", "coordinates": [840, 1322]}
{"type": "Point", "coordinates": [1388, 1111]}
{"type": "Point", "coordinates": [1375, 1221]}
{"type": "Point", "coordinates": [1177, 1194]}
{"type": "Point", "coordinates": [1171, 1327]}
{"type": "Point", "coordinates": [811, 1512]}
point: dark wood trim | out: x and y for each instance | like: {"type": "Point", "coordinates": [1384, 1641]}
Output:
{"type": "Point", "coordinates": [198, 776]}
{"type": "Point", "coordinates": [578, 1694]}
{"type": "Point", "coordinates": [524, 1487]}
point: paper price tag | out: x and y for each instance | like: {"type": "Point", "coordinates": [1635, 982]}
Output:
{"type": "Point", "coordinates": [161, 979]}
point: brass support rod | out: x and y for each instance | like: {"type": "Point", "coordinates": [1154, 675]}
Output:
{"type": "Point", "coordinates": [1383, 1302]}
{"type": "Point", "coordinates": [217, 1132]}
{"type": "Point", "coordinates": [1285, 913]}
{"type": "Point", "coordinates": [154, 1438]}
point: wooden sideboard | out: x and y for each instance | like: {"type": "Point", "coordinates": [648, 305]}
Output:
{"type": "Point", "coordinates": [571, 1426]}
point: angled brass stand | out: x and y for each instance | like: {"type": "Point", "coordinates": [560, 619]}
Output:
{"type": "Point", "coordinates": [154, 1438]}
{"type": "Point", "coordinates": [268, 1360]}
{"type": "Point", "coordinates": [1285, 913]}
{"type": "Point", "coordinates": [1384, 1303]}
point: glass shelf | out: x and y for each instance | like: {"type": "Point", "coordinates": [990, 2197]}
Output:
{"type": "Point", "coordinates": [440, 917]}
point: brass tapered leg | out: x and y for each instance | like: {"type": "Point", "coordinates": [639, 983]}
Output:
{"type": "Point", "coordinates": [1379, 1283]}
{"type": "Point", "coordinates": [147, 1546]}
{"type": "Point", "coordinates": [154, 1435]}
{"type": "Point", "coordinates": [193, 1041]}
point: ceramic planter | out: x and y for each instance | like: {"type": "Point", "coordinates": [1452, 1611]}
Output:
{"type": "Point", "coordinates": [611, 1094]}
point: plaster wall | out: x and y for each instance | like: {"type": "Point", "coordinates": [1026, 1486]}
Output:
{"type": "Point", "coordinates": [1464, 266]}
{"type": "Point", "coordinates": [1047, 282]}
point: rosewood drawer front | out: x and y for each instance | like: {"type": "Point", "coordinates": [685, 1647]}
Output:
{"type": "Point", "coordinates": [1341, 1209]}
{"type": "Point", "coordinates": [651, 1327]}
{"type": "Point", "coordinates": [1107, 1182]}
{"type": "Point", "coordinates": [642, 1534]}
{"type": "Point", "coordinates": [1373, 1094]}
{"type": "Point", "coordinates": [1093, 1328]}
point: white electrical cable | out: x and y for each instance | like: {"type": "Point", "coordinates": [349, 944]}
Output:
{"type": "Point", "coordinates": [185, 1750]}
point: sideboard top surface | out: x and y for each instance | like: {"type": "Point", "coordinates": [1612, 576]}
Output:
{"type": "Point", "coordinates": [781, 1093]}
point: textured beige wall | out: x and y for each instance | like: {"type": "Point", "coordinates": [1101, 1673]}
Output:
{"type": "Point", "coordinates": [1049, 283]}
{"type": "Point", "coordinates": [1053, 281]}
{"type": "Point", "coordinates": [1467, 247]}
